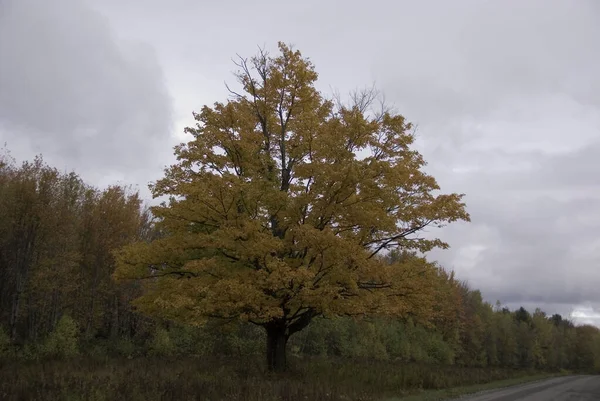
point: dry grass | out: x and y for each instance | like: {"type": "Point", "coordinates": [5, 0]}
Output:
{"type": "Point", "coordinates": [219, 379]}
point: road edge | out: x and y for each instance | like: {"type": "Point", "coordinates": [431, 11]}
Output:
{"type": "Point", "coordinates": [456, 393]}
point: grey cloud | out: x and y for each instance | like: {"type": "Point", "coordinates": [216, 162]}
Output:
{"type": "Point", "coordinates": [476, 58]}
{"type": "Point", "coordinates": [529, 250]}
{"type": "Point", "coordinates": [525, 173]}
{"type": "Point", "coordinates": [574, 169]}
{"type": "Point", "coordinates": [75, 92]}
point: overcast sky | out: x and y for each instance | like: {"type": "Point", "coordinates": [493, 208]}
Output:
{"type": "Point", "coordinates": [506, 96]}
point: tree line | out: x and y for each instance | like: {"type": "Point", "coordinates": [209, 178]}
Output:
{"type": "Point", "coordinates": [57, 238]}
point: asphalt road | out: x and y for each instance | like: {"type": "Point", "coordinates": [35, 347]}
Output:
{"type": "Point", "coordinates": [568, 388]}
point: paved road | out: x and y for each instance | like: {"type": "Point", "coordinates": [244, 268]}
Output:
{"type": "Point", "coordinates": [569, 388]}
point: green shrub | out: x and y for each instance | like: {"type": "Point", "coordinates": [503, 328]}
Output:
{"type": "Point", "coordinates": [123, 346]}
{"type": "Point", "coordinates": [63, 342]}
{"type": "Point", "coordinates": [97, 349]}
{"type": "Point", "coordinates": [161, 344]}
{"type": "Point", "coordinates": [30, 352]}
{"type": "Point", "coordinates": [190, 340]}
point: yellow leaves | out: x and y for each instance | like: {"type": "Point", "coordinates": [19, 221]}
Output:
{"type": "Point", "coordinates": [132, 261]}
{"type": "Point", "coordinates": [276, 209]}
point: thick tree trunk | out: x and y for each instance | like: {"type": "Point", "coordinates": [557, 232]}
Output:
{"type": "Point", "coordinates": [276, 348]}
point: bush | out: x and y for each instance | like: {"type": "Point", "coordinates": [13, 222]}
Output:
{"type": "Point", "coordinates": [161, 344]}
{"type": "Point", "coordinates": [190, 340]}
{"type": "Point", "coordinates": [30, 352]}
{"type": "Point", "coordinates": [123, 346]}
{"type": "Point", "coordinates": [63, 342]}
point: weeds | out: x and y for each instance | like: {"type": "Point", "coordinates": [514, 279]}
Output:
{"type": "Point", "coordinates": [220, 379]}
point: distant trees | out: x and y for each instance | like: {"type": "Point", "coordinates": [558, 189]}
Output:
{"type": "Point", "coordinates": [68, 304]}
{"type": "Point", "coordinates": [57, 235]}
{"type": "Point", "coordinates": [487, 337]}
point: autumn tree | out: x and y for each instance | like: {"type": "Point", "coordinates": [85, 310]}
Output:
{"type": "Point", "coordinates": [27, 204]}
{"type": "Point", "coordinates": [281, 205]}
{"type": "Point", "coordinates": [110, 219]}
{"type": "Point", "coordinates": [57, 235]}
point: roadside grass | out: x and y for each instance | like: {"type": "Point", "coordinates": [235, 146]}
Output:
{"type": "Point", "coordinates": [220, 379]}
{"type": "Point", "coordinates": [455, 392]}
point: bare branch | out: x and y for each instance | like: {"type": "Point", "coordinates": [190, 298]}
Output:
{"type": "Point", "coordinates": [384, 242]}
{"type": "Point", "coordinates": [180, 273]}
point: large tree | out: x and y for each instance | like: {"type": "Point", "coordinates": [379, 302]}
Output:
{"type": "Point", "coordinates": [281, 206]}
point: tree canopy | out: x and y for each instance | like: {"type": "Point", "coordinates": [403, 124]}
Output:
{"type": "Point", "coordinates": [56, 238]}
{"type": "Point", "coordinates": [282, 205]}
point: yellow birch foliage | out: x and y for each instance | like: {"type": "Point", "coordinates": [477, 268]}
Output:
{"type": "Point", "coordinates": [282, 203]}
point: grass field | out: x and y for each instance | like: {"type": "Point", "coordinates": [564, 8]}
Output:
{"type": "Point", "coordinates": [222, 379]}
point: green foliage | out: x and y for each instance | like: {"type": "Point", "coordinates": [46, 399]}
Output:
{"type": "Point", "coordinates": [63, 341]}
{"type": "Point", "coordinates": [57, 235]}
{"type": "Point", "coordinates": [242, 340]}
{"type": "Point", "coordinates": [124, 346]}
{"type": "Point", "coordinates": [96, 350]}
{"type": "Point", "coordinates": [161, 344]}
{"type": "Point", "coordinates": [31, 351]}
{"type": "Point", "coordinates": [189, 340]}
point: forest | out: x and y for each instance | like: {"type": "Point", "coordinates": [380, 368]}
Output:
{"type": "Point", "coordinates": [230, 290]}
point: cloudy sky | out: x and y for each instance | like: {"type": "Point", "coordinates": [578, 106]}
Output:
{"type": "Point", "coordinates": [506, 96]}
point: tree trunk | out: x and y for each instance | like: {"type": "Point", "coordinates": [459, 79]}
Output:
{"type": "Point", "coordinates": [276, 348]}
{"type": "Point", "coordinates": [14, 314]}
{"type": "Point", "coordinates": [114, 328]}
